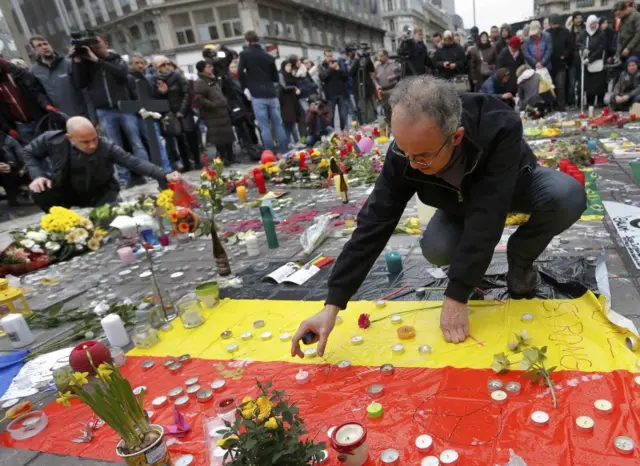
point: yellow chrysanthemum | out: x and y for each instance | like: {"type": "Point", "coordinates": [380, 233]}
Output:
{"type": "Point", "coordinates": [93, 244]}
{"type": "Point", "coordinates": [274, 170]}
{"type": "Point", "coordinates": [64, 398]}
{"type": "Point", "coordinates": [272, 424]}
{"type": "Point", "coordinates": [104, 372]}
{"type": "Point", "coordinates": [79, 379]}
{"type": "Point", "coordinates": [264, 408]}
{"type": "Point", "coordinates": [228, 442]}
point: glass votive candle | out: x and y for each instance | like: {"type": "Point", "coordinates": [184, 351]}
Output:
{"type": "Point", "coordinates": [117, 356]}
{"type": "Point", "coordinates": [190, 312]}
{"type": "Point", "coordinates": [145, 336]}
{"type": "Point", "coordinates": [126, 255]}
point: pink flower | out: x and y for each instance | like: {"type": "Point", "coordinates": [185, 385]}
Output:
{"type": "Point", "coordinates": [363, 321]}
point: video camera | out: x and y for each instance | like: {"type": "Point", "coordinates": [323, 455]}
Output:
{"type": "Point", "coordinates": [83, 39]}
{"type": "Point", "coordinates": [220, 58]}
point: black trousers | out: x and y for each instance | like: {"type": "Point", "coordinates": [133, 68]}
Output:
{"type": "Point", "coordinates": [64, 198]}
{"type": "Point", "coordinates": [11, 183]}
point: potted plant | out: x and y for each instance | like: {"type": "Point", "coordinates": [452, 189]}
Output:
{"type": "Point", "coordinates": [212, 190]}
{"type": "Point", "coordinates": [268, 430]}
{"type": "Point", "coordinates": [111, 398]}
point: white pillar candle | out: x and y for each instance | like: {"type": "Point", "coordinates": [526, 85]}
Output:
{"type": "Point", "coordinates": [17, 330]}
{"type": "Point", "coordinates": [115, 331]}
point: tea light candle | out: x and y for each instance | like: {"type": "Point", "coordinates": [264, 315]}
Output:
{"type": "Point", "coordinates": [184, 359]}
{"type": "Point", "coordinates": [176, 275]}
{"type": "Point", "coordinates": [424, 443]}
{"type": "Point", "coordinates": [636, 380]}
{"type": "Point", "coordinates": [138, 390]}
{"type": "Point", "coordinates": [310, 353]}
{"type": "Point", "coordinates": [357, 340]}
{"type": "Point", "coordinates": [513, 388]}
{"type": "Point", "coordinates": [387, 369]}
{"type": "Point", "coordinates": [159, 401]}
{"type": "Point", "coordinates": [175, 392]}
{"type": "Point", "coordinates": [191, 381]}
{"type": "Point", "coordinates": [526, 317]}
{"type": "Point", "coordinates": [286, 336]}
{"type": "Point", "coordinates": [330, 431]}
{"type": "Point", "coordinates": [147, 365]}
{"type": "Point", "coordinates": [380, 303]}
{"type": "Point", "coordinates": [603, 406]}
{"type": "Point", "coordinates": [540, 418]}
{"type": "Point", "coordinates": [204, 395]}
{"type": "Point", "coordinates": [302, 377]}
{"type": "Point", "coordinates": [374, 410]}
{"type": "Point", "coordinates": [344, 364]}
{"type": "Point", "coordinates": [585, 423]}
{"type": "Point", "coordinates": [167, 363]}
{"type": "Point", "coordinates": [424, 349]}
{"type": "Point", "coordinates": [624, 445]}
{"type": "Point", "coordinates": [226, 334]}
{"type": "Point", "coordinates": [193, 389]}
{"type": "Point", "coordinates": [494, 384]}
{"type": "Point", "coordinates": [218, 385]}
{"type": "Point", "coordinates": [175, 367]}
{"type": "Point", "coordinates": [397, 349]}
{"type": "Point", "coordinates": [406, 332]}
{"type": "Point", "coordinates": [430, 461]}
{"type": "Point", "coordinates": [390, 456]}
{"type": "Point", "coordinates": [396, 319]}
{"type": "Point", "coordinates": [449, 456]}
{"type": "Point", "coordinates": [375, 390]}
{"type": "Point", "coordinates": [246, 336]}
{"type": "Point", "coordinates": [184, 460]}
{"type": "Point", "coordinates": [182, 402]}
{"type": "Point", "coordinates": [126, 255]}
{"type": "Point", "coordinates": [124, 272]}
{"type": "Point", "coordinates": [259, 324]}
{"type": "Point", "coordinates": [266, 336]}
{"type": "Point", "coordinates": [499, 396]}
{"type": "Point", "coordinates": [232, 348]}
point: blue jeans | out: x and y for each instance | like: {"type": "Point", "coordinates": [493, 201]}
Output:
{"type": "Point", "coordinates": [27, 131]}
{"type": "Point", "coordinates": [555, 201]}
{"type": "Point", "coordinates": [340, 102]}
{"type": "Point", "coordinates": [352, 109]}
{"type": "Point", "coordinates": [313, 138]}
{"type": "Point", "coordinates": [268, 111]}
{"type": "Point", "coordinates": [111, 123]}
{"type": "Point", "coordinates": [142, 127]}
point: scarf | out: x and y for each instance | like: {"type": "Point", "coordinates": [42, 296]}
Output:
{"type": "Point", "coordinates": [590, 20]}
{"type": "Point", "coordinates": [528, 74]}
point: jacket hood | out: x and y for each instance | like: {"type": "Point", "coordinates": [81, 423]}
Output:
{"type": "Point", "coordinates": [507, 27]}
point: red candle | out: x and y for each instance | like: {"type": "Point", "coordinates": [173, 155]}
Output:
{"type": "Point", "coordinates": [259, 179]}
{"type": "Point", "coordinates": [303, 163]}
{"type": "Point", "coordinates": [349, 147]}
{"type": "Point", "coordinates": [579, 176]}
{"type": "Point", "coordinates": [564, 164]}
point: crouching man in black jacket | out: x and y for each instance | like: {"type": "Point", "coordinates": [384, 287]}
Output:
{"type": "Point", "coordinates": [82, 166]}
{"type": "Point", "coordinates": [464, 155]}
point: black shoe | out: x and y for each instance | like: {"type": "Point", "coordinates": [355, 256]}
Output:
{"type": "Point", "coordinates": [521, 281]}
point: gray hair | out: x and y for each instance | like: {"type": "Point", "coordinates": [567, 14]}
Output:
{"type": "Point", "coordinates": [427, 96]}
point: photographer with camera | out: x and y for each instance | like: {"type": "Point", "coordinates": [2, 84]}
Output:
{"type": "Point", "coordinates": [334, 81]}
{"type": "Point", "coordinates": [414, 53]}
{"type": "Point", "coordinates": [361, 71]}
{"type": "Point", "coordinates": [318, 120]}
{"type": "Point", "coordinates": [386, 76]}
{"type": "Point", "coordinates": [105, 75]}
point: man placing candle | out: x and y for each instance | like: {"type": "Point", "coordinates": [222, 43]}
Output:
{"type": "Point", "coordinates": [464, 155]}
{"type": "Point", "coordinates": [80, 171]}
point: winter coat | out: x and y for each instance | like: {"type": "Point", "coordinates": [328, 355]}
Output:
{"type": "Point", "coordinates": [54, 146]}
{"type": "Point", "coordinates": [479, 55]}
{"type": "Point", "coordinates": [628, 85]}
{"type": "Point", "coordinates": [178, 97]}
{"type": "Point", "coordinates": [576, 34]}
{"type": "Point", "coordinates": [503, 42]}
{"type": "Point", "coordinates": [319, 120]}
{"type": "Point", "coordinates": [257, 72]}
{"type": "Point", "coordinates": [31, 92]}
{"type": "Point", "coordinates": [595, 83]}
{"type": "Point", "coordinates": [506, 60]}
{"type": "Point", "coordinates": [241, 110]}
{"type": "Point", "coordinates": [334, 81]}
{"type": "Point", "coordinates": [11, 151]}
{"type": "Point", "coordinates": [609, 42]}
{"type": "Point", "coordinates": [57, 81]}
{"type": "Point", "coordinates": [106, 80]}
{"type": "Point", "coordinates": [452, 53]}
{"type": "Point", "coordinates": [498, 165]}
{"type": "Point", "coordinates": [345, 65]}
{"type": "Point", "coordinates": [288, 97]}
{"type": "Point", "coordinates": [141, 86]}
{"type": "Point", "coordinates": [529, 89]}
{"type": "Point", "coordinates": [629, 33]}
{"type": "Point", "coordinates": [419, 59]}
{"type": "Point", "coordinates": [355, 71]}
{"type": "Point", "coordinates": [541, 48]}
{"type": "Point", "coordinates": [214, 111]}
{"type": "Point", "coordinates": [492, 87]}
{"type": "Point", "coordinates": [305, 83]}
{"type": "Point", "coordinates": [561, 46]}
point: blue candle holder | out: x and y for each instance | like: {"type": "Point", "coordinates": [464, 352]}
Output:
{"type": "Point", "coordinates": [592, 144]}
{"type": "Point", "coordinates": [394, 262]}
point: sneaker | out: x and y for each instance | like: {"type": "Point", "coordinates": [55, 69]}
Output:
{"type": "Point", "coordinates": [521, 281]}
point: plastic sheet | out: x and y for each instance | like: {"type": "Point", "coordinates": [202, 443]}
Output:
{"type": "Point", "coordinates": [443, 394]}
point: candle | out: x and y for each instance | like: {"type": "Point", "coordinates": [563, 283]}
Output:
{"type": "Point", "coordinates": [624, 445]}
{"type": "Point", "coordinates": [345, 364]}
{"type": "Point", "coordinates": [164, 239]}
{"type": "Point", "coordinates": [375, 390]}
{"type": "Point", "coordinates": [303, 163]}
{"type": "Point", "coordinates": [430, 461]}
{"type": "Point", "coordinates": [513, 388]}
{"type": "Point", "coordinates": [580, 177]}
{"type": "Point", "coordinates": [191, 318]}
{"type": "Point", "coordinates": [603, 406]}
{"type": "Point", "coordinates": [449, 456]}
{"type": "Point", "coordinates": [175, 392]}
{"type": "Point", "coordinates": [246, 336]}
{"type": "Point", "coordinates": [266, 336]}
{"type": "Point", "coordinates": [390, 456]}
{"type": "Point", "coordinates": [191, 381]}
{"type": "Point", "coordinates": [539, 418]}
{"type": "Point", "coordinates": [564, 164]}
{"type": "Point", "coordinates": [259, 179]}
{"type": "Point", "coordinates": [115, 331]}
{"type": "Point", "coordinates": [499, 396]}
{"type": "Point", "coordinates": [16, 327]}
{"type": "Point", "coordinates": [253, 247]}
{"type": "Point", "coordinates": [374, 410]}
{"type": "Point", "coordinates": [159, 401]}
{"type": "Point", "coordinates": [396, 319]}
{"type": "Point", "coordinates": [310, 353]}
{"type": "Point", "coordinates": [241, 192]}
{"type": "Point", "coordinates": [387, 369]}
{"type": "Point", "coordinates": [218, 385]}
{"type": "Point", "coordinates": [424, 443]}
{"type": "Point", "coordinates": [117, 356]}
{"type": "Point", "coordinates": [204, 395]}
{"type": "Point", "coordinates": [397, 349]}
{"type": "Point", "coordinates": [286, 336]}
{"type": "Point", "coordinates": [350, 440]}
{"type": "Point", "coordinates": [357, 340]}
{"type": "Point", "coordinates": [126, 255]}
{"type": "Point", "coordinates": [637, 381]}
{"type": "Point", "coordinates": [526, 317]}
{"type": "Point", "coordinates": [585, 423]}
{"type": "Point", "coordinates": [302, 377]}
{"type": "Point", "coordinates": [394, 262]}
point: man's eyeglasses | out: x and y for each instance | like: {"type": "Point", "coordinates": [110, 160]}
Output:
{"type": "Point", "coordinates": [423, 160]}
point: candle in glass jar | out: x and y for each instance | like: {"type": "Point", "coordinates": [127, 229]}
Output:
{"type": "Point", "coordinates": [241, 192]}
{"type": "Point", "coordinates": [126, 255]}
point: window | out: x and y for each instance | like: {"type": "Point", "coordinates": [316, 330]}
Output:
{"type": "Point", "coordinates": [306, 36]}
{"type": "Point", "coordinates": [393, 45]}
{"type": "Point", "coordinates": [585, 3]}
{"type": "Point", "coordinates": [278, 22]}
{"type": "Point", "coordinates": [184, 30]}
{"type": "Point", "coordinates": [206, 23]}
{"type": "Point", "coordinates": [290, 26]}
{"type": "Point", "coordinates": [136, 35]}
{"type": "Point", "coordinates": [155, 45]}
{"type": "Point", "coordinates": [566, 6]}
{"type": "Point", "coordinates": [190, 69]}
{"type": "Point", "coordinates": [604, 2]}
{"type": "Point", "coordinates": [330, 36]}
{"type": "Point", "coordinates": [230, 20]}
{"type": "Point", "coordinates": [392, 26]}
{"type": "Point", "coordinates": [389, 5]}
{"type": "Point", "coordinates": [126, 6]}
{"type": "Point", "coordinates": [403, 4]}
{"type": "Point", "coordinates": [150, 28]}
{"type": "Point", "coordinates": [265, 21]}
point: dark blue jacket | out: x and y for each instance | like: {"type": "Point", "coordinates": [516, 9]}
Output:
{"type": "Point", "coordinates": [492, 87]}
{"type": "Point", "coordinates": [257, 72]}
{"type": "Point", "coordinates": [344, 67]}
{"type": "Point", "coordinates": [530, 53]}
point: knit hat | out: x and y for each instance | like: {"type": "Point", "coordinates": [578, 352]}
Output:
{"type": "Point", "coordinates": [555, 19]}
{"type": "Point", "coordinates": [515, 43]}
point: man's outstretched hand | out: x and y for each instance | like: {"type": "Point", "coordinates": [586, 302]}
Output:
{"type": "Point", "coordinates": [321, 325]}
{"type": "Point", "coordinates": [454, 321]}
{"type": "Point", "coordinates": [40, 184]}
{"type": "Point", "coordinates": [174, 177]}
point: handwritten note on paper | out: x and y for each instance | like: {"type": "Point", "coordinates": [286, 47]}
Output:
{"type": "Point", "coordinates": [626, 219]}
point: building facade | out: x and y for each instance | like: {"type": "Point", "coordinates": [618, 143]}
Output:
{"type": "Point", "coordinates": [566, 7]}
{"type": "Point", "coordinates": [449, 6]}
{"type": "Point", "coordinates": [180, 28]}
{"type": "Point", "coordinates": [400, 16]}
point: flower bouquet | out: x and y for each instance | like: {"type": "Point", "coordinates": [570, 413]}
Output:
{"type": "Point", "coordinates": [268, 430]}
{"type": "Point", "coordinates": [111, 398]}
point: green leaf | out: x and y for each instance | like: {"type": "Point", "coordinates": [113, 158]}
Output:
{"type": "Point", "coordinates": [543, 350]}
{"type": "Point", "coordinates": [230, 206]}
{"type": "Point", "coordinates": [551, 369]}
{"type": "Point", "coordinates": [500, 363]}
{"type": "Point", "coordinates": [532, 354]}
{"type": "Point", "coordinates": [287, 416]}
{"type": "Point", "coordinates": [525, 364]}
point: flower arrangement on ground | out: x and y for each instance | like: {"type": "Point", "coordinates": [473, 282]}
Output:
{"type": "Point", "coordinates": [268, 430]}
{"type": "Point", "coordinates": [210, 193]}
{"type": "Point", "coordinates": [104, 215]}
{"type": "Point", "coordinates": [111, 398]}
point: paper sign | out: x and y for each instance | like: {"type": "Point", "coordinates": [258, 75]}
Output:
{"type": "Point", "coordinates": [626, 218]}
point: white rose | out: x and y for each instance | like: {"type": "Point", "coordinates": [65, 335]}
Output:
{"type": "Point", "coordinates": [39, 236]}
{"type": "Point", "coordinates": [51, 246]}
{"type": "Point", "coordinates": [28, 243]}
{"type": "Point", "coordinates": [37, 249]}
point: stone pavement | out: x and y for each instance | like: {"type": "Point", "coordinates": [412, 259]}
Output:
{"type": "Point", "coordinates": [592, 238]}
